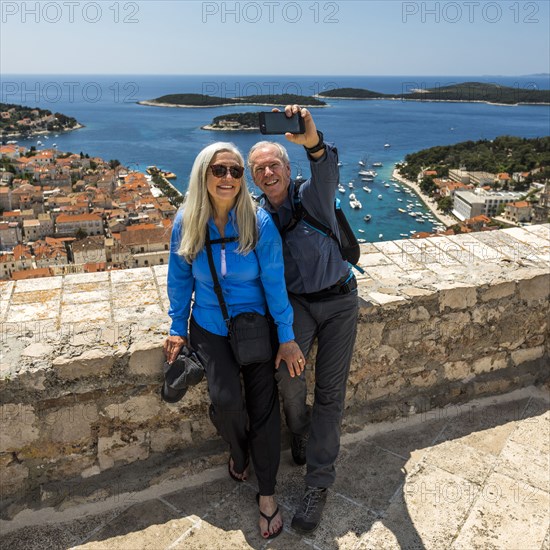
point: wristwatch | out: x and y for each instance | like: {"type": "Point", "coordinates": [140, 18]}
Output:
{"type": "Point", "coordinates": [317, 147]}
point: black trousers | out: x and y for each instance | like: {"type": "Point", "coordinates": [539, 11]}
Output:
{"type": "Point", "coordinates": [260, 402]}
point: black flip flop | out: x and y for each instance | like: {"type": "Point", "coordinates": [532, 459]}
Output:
{"type": "Point", "coordinates": [269, 519]}
{"type": "Point", "coordinates": [231, 474]}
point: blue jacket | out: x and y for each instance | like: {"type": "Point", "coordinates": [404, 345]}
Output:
{"type": "Point", "coordinates": [252, 281]}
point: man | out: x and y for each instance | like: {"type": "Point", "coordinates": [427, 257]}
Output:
{"type": "Point", "coordinates": [322, 291]}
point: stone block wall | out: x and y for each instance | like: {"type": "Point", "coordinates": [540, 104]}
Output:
{"type": "Point", "coordinates": [441, 320]}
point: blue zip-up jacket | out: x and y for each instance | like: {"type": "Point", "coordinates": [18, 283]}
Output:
{"type": "Point", "coordinates": [252, 281]}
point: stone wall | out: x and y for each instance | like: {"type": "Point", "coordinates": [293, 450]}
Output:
{"type": "Point", "coordinates": [441, 320]}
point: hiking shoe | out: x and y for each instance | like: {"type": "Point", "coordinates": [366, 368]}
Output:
{"type": "Point", "coordinates": [298, 447]}
{"type": "Point", "coordinates": [308, 516]}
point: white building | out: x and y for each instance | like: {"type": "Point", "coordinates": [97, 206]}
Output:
{"type": "Point", "coordinates": [468, 204]}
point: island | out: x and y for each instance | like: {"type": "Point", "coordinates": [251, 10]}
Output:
{"type": "Point", "coordinates": [203, 100]}
{"type": "Point", "coordinates": [22, 121]}
{"type": "Point", "coordinates": [469, 92]}
{"type": "Point", "coordinates": [234, 122]}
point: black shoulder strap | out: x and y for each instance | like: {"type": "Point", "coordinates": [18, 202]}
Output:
{"type": "Point", "coordinates": [300, 213]}
{"type": "Point", "coordinates": [217, 287]}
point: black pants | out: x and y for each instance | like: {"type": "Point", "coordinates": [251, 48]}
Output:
{"type": "Point", "coordinates": [261, 403]}
{"type": "Point", "coordinates": [333, 322]}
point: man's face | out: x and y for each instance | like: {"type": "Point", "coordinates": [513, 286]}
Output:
{"type": "Point", "coordinates": [270, 173]}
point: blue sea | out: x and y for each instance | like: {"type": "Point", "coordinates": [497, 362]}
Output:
{"type": "Point", "coordinates": [116, 127]}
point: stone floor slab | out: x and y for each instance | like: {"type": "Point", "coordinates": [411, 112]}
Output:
{"type": "Point", "coordinates": [513, 460]}
{"type": "Point", "coordinates": [148, 525]}
{"type": "Point", "coordinates": [408, 438]}
{"type": "Point", "coordinates": [99, 279]}
{"type": "Point", "coordinates": [93, 311]}
{"type": "Point", "coordinates": [32, 285]}
{"type": "Point", "coordinates": [201, 499]}
{"type": "Point", "coordinates": [81, 296]}
{"type": "Point", "coordinates": [505, 515]}
{"type": "Point", "coordinates": [137, 312]}
{"type": "Point", "coordinates": [20, 313]}
{"type": "Point", "coordinates": [57, 536]}
{"type": "Point", "coordinates": [370, 476]}
{"type": "Point", "coordinates": [135, 274]}
{"type": "Point", "coordinates": [461, 460]}
{"type": "Point", "coordinates": [431, 508]}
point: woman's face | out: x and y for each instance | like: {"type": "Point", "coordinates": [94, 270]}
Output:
{"type": "Point", "coordinates": [223, 189]}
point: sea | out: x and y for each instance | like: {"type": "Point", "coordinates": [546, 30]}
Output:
{"type": "Point", "coordinates": [371, 131]}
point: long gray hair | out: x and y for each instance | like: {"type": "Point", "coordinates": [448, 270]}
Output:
{"type": "Point", "coordinates": [198, 209]}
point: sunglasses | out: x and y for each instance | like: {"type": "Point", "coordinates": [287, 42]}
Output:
{"type": "Point", "coordinates": [219, 170]}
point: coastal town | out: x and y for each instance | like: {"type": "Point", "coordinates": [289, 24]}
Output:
{"type": "Point", "coordinates": [70, 213]}
{"type": "Point", "coordinates": [477, 202]}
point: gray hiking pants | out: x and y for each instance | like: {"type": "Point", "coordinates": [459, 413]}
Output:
{"type": "Point", "coordinates": [333, 321]}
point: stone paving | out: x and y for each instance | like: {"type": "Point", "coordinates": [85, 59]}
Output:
{"type": "Point", "coordinates": [474, 476]}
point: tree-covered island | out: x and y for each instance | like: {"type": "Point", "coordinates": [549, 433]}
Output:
{"type": "Point", "coordinates": [464, 92]}
{"type": "Point", "coordinates": [235, 122]}
{"type": "Point", "coordinates": [203, 100]}
{"type": "Point", "coordinates": [22, 121]}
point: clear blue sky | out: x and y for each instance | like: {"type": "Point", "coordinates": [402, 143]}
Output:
{"type": "Point", "coordinates": [361, 37]}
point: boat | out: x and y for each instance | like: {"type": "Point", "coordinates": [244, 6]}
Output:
{"type": "Point", "coordinates": [386, 185]}
{"type": "Point", "coordinates": [366, 188]}
{"type": "Point", "coordinates": [339, 163]}
{"type": "Point", "coordinates": [367, 218]}
{"type": "Point", "coordinates": [352, 197]}
{"type": "Point", "coordinates": [361, 230]}
{"type": "Point", "coordinates": [402, 210]}
{"type": "Point", "coordinates": [403, 234]}
{"type": "Point", "coordinates": [381, 236]}
{"type": "Point", "coordinates": [11, 142]}
{"type": "Point", "coordinates": [419, 220]}
{"type": "Point", "coordinates": [361, 163]}
{"type": "Point", "coordinates": [355, 204]}
{"type": "Point", "coordinates": [377, 164]}
{"type": "Point", "coordinates": [341, 188]}
{"type": "Point", "coordinates": [350, 185]}
{"type": "Point", "coordinates": [387, 145]}
{"type": "Point", "coordinates": [361, 240]}
{"type": "Point", "coordinates": [367, 173]}
{"type": "Point", "coordinates": [413, 214]}
{"type": "Point", "coordinates": [399, 200]}
{"type": "Point", "coordinates": [379, 196]}
{"type": "Point", "coordinates": [397, 190]}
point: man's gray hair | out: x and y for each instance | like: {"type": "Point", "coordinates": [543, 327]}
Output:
{"type": "Point", "coordinates": [283, 153]}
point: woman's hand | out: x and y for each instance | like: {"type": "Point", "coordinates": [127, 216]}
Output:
{"type": "Point", "coordinates": [292, 355]}
{"type": "Point", "coordinates": [172, 347]}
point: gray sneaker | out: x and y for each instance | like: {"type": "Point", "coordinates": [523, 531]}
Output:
{"type": "Point", "coordinates": [308, 516]}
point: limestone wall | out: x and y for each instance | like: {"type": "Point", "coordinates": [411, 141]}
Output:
{"type": "Point", "coordinates": [441, 320]}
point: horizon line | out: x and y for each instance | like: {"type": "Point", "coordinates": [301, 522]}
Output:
{"type": "Point", "coordinates": [541, 74]}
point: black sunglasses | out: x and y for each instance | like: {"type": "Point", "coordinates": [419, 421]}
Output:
{"type": "Point", "coordinates": [219, 170]}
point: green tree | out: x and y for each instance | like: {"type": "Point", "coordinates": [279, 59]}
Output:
{"type": "Point", "coordinates": [445, 204]}
{"type": "Point", "coordinates": [427, 185]}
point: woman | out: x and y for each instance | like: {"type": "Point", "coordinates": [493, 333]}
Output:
{"type": "Point", "coordinates": [251, 274]}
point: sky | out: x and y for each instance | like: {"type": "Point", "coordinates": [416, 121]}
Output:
{"type": "Point", "coordinates": [345, 37]}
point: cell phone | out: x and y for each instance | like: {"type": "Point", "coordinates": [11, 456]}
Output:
{"type": "Point", "coordinates": [279, 123]}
